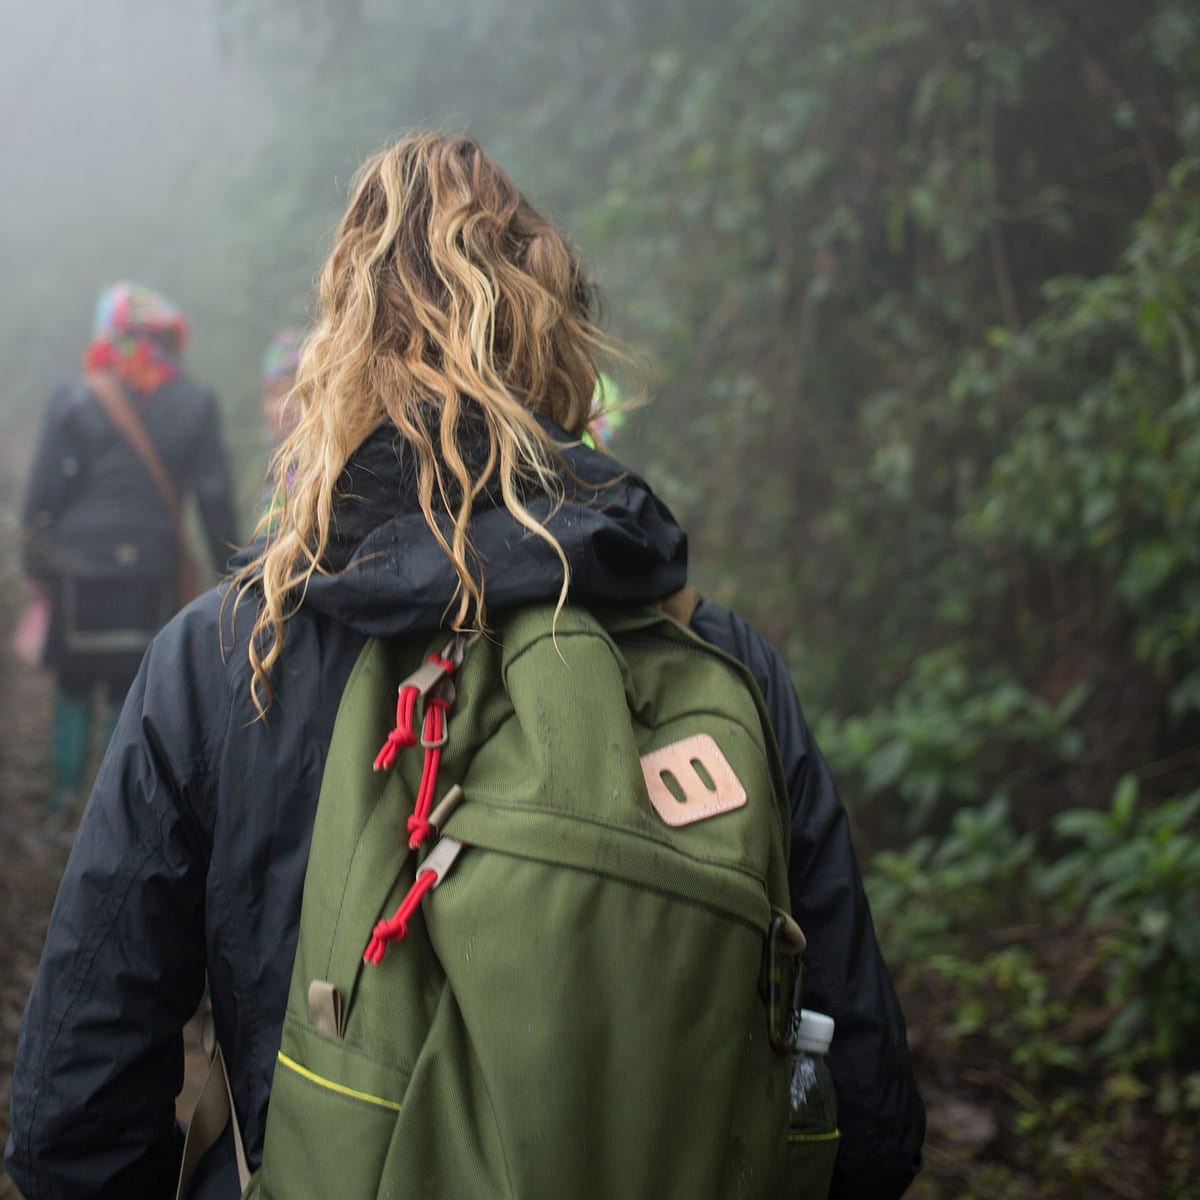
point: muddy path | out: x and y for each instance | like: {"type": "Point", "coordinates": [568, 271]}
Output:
{"type": "Point", "coordinates": [34, 846]}
{"type": "Point", "coordinates": [33, 851]}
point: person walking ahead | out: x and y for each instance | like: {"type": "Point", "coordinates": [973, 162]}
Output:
{"type": "Point", "coordinates": [436, 477]}
{"type": "Point", "coordinates": [101, 530]}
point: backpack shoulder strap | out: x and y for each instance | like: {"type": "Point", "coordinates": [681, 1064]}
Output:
{"type": "Point", "coordinates": [682, 604]}
{"type": "Point", "coordinates": [212, 1112]}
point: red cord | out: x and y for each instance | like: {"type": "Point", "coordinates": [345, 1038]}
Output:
{"type": "Point", "coordinates": [418, 823]}
{"type": "Point", "coordinates": [404, 734]}
{"type": "Point", "coordinates": [394, 929]}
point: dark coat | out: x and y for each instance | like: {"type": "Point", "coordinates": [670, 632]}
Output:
{"type": "Point", "coordinates": [192, 851]}
{"type": "Point", "coordinates": [89, 487]}
{"type": "Point", "coordinates": [97, 532]}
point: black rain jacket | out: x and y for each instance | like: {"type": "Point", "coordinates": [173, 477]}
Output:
{"type": "Point", "coordinates": [191, 853]}
{"type": "Point", "coordinates": [91, 506]}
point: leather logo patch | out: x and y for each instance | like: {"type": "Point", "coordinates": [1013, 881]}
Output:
{"type": "Point", "coordinates": [691, 780]}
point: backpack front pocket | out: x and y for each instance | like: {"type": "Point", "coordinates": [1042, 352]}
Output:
{"type": "Point", "coordinates": [615, 1032]}
{"type": "Point", "coordinates": [334, 1112]}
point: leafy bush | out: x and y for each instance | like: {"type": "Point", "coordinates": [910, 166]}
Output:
{"type": "Point", "coordinates": [1105, 487]}
{"type": "Point", "coordinates": [1063, 996]}
{"type": "Point", "coordinates": [951, 735]}
{"type": "Point", "coordinates": [1138, 873]}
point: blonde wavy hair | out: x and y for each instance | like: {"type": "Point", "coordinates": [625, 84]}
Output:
{"type": "Point", "coordinates": [451, 308]}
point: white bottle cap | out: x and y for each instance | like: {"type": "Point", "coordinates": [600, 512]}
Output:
{"type": "Point", "coordinates": [815, 1032]}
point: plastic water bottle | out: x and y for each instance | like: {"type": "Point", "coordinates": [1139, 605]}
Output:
{"type": "Point", "coordinates": [814, 1105]}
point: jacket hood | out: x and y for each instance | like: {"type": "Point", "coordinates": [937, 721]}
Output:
{"type": "Point", "coordinates": [388, 577]}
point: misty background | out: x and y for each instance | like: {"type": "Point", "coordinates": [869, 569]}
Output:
{"type": "Point", "coordinates": [917, 283]}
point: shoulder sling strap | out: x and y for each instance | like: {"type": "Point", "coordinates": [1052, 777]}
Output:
{"type": "Point", "coordinates": [214, 1108]}
{"type": "Point", "coordinates": [682, 604]}
{"type": "Point", "coordinates": [121, 413]}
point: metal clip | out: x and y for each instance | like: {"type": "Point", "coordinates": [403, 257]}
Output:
{"type": "Point", "coordinates": [426, 744]}
{"type": "Point", "coordinates": [785, 981]}
{"type": "Point", "coordinates": [424, 677]}
{"type": "Point", "coordinates": [454, 650]}
{"type": "Point", "coordinates": [441, 859]}
{"type": "Point", "coordinates": [445, 690]}
{"type": "Point", "coordinates": [434, 682]}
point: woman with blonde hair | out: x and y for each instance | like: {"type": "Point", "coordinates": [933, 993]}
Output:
{"type": "Point", "coordinates": [435, 478]}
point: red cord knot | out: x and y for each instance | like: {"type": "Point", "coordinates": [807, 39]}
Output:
{"type": "Point", "coordinates": [395, 928]}
{"type": "Point", "coordinates": [419, 829]}
{"type": "Point", "coordinates": [404, 734]}
{"type": "Point", "coordinates": [434, 869]}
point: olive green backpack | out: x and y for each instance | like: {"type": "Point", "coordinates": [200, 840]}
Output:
{"type": "Point", "coordinates": [586, 987]}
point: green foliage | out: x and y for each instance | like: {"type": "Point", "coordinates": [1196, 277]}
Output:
{"type": "Point", "coordinates": [1106, 486]}
{"type": "Point", "coordinates": [980, 863]}
{"type": "Point", "coordinates": [1067, 991]}
{"type": "Point", "coordinates": [1138, 872]}
{"type": "Point", "coordinates": [952, 735]}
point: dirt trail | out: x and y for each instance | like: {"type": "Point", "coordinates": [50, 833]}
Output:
{"type": "Point", "coordinates": [33, 848]}
{"type": "Point", "coordinates": [32, 854]}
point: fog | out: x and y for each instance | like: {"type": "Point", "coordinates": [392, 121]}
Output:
{"type": "Point", "coordinates": [205, 149]}
{"type": "Point", "coordinates": [133, 136]}
{"type": "Point", "coordinates": [121, 128]}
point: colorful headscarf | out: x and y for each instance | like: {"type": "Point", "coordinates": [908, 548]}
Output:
{"type": "Point", "coordinates": [282, 356]}
{"type": "Point", "coordinates": [137, 333]}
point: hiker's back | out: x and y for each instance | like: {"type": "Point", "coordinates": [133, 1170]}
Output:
{"type": "Point", "coordinates": [578, 1007]}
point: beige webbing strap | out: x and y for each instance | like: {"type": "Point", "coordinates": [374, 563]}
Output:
{"type": "Point", "coordinates": [445, 806]}
{"type": "Point", "coordinates": [122, 414]}
{"type": "Point", "coordinates": [325, 1008]}
{"type": "Point", "coordinates": [213, 1110]}
{"type": "Point", "coordinates": [120, 411]}
{"type": "Point", "coordinates": [681, 604]}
